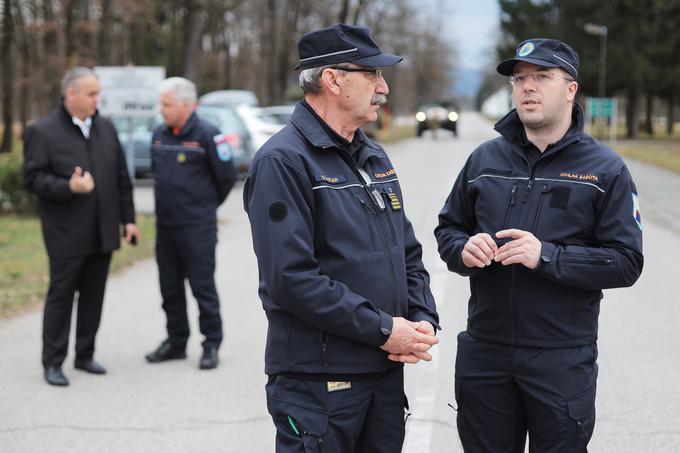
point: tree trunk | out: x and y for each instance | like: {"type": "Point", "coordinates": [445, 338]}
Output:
{"type": "Point", "coordinates": [193, 28]}
{"type": "Point", "coordinates": [632, 111]}
{"type": "Point", "coordinates": [671, 115]}
{"type": "Point", "coordinates": [344, 12]}
{"type": "Point", "coordinates": [105, 34]}
{"type": "Point", "coordinates": [357, 11]}
{"type": "Point", "coordinates": [24, 41]}
{"type": "Point", "coordinates": [52, 69]}
{"type": "Point", "coordinates": [7, 77]}
{"type": "Point", "coordinates": [649, 112]}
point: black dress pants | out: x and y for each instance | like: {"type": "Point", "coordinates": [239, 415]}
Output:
{"type": "Point", "coordinates": [188, 252]}
{"type": "Point", "coordinates": [85, 275]}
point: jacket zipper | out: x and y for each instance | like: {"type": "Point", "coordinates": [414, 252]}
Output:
{"type": "Point", "coordinates": [511, 203]}
{"type": "Point", "coordinates": [351, 163]}
{"type": "Point", "coordinates": [538, 208]}
{"type": "Point", "coordinates": [368, 221]}
{"type": "Point", "coordinates": [324, 349]}
{"type": "Point", "coordinates": [513, 336]}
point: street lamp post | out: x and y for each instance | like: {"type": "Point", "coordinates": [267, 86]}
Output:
{"type": "Point", "coordinates": [601, 31]}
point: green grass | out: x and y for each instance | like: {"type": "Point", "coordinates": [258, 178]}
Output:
{"type": "Point", "coordinates": [395, 134]}
{"type": "Point", "coordinates": [662, 153]}
{"type": "Point", "coordinates": [24, 271]}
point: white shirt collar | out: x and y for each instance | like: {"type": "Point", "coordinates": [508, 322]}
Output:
{"type": "Point", "coordinates": [83, 125]}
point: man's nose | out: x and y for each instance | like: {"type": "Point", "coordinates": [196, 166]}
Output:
{"type": "Point", "coordinates": [381, 86]}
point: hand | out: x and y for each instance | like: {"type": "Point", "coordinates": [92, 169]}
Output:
{"type": "Point", "coordinates": [409, 342]}
{"type": "Point", "coordinates": [131, 233]}
{"type": "Point", "coordinates": [524, 249]}
{"type": "Point", "coordinates": [81, 182]}
{"type": "Point", "coordinates": [479, 250]}
{"type": "Point", "coordinates": [423, 327]}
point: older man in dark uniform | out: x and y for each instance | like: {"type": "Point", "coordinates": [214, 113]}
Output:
{"type": "Point", "coordinates": [75, 164]}
{"type": "Point", "coordinates": [341, 276]}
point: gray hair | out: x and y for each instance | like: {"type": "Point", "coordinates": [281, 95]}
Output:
{"type": "Point", "coordinates": [310, 78]}
{"type": "Point", "coordinates": [72, 77]}
{"type": "Point", "coordinates": [184, 89]}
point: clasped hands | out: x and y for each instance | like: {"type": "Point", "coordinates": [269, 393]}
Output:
{"type": "Point", "coordinates": [481, 250]}
{"type": "Point", "coordinates": [410, 341]}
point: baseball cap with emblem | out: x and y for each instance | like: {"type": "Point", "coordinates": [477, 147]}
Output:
{"type": "Point", "coordinates": [549, 53]}
{"type": "Point", "coordinates": [342, 43]}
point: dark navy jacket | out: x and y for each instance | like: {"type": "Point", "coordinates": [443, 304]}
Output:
{"type": "Point", "coordinates": [334, 268]}
{"type": "Point", "coordinates": [193, 170]}
{"type": "Point", "coordinates": [579, 200]}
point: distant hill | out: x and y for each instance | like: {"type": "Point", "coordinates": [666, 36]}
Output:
{"type": "Point", "coordinates": [466, 83]}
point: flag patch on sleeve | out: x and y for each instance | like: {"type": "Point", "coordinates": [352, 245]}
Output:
{"type": "Point", "coordinates": [636, 211]}
{"type": "Point", "coordinates": [223, 148]}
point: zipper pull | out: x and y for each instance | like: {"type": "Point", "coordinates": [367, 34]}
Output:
{"type": "Point", "coordinates": [526, 194]}
{"type": "Point", "coordinates": [513, 195]}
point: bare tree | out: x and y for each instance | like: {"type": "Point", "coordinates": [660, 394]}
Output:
{"type": "Point", "coordinates": [7, 76]}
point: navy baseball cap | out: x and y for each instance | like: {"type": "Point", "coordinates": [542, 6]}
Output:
{"type": "Point", "coordinates": [549, 53]}
{"type": "Point", "coordinates": [342, 43]}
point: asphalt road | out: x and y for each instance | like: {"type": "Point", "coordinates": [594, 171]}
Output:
{"type": "Point", "coordinates": [174, 407]}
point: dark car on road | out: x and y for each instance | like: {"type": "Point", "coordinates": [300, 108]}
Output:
{"type": "Point", "coordinates": [437, 115]}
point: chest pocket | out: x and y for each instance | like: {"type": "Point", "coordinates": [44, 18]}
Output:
{"type": "Point", "coordinates": [565, 210]}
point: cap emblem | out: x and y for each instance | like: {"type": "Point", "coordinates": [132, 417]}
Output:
{"type": "Point", "coordinates": [526, 49]}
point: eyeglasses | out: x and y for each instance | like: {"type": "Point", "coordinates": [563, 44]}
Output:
{"type": "Point", "coordinates": [538, 78]}
{"type": "Point", "coordinates": [375, 74]}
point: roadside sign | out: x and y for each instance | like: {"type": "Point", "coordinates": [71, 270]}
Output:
{"type": "Point", "coordinates": [129, 93]}
{"type": "Point", "coordinates": [602, 113]}
{"type": "Point", "coordinates": [129, 90]}
{"type": "Point", "coordinates": [601, 107]}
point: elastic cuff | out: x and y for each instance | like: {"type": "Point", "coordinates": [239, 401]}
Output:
{"type": "Point", "coordinates": [386, 323]}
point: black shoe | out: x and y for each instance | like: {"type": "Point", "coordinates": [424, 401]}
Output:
{"type": "Point", "coordinates": [90, 365]}
{"type": "Point", "coordinates": [209, 360]}
{"type": "Point", "coordinates": [166, 351]}
{"type": "Point", "coordinates": [54, 376]}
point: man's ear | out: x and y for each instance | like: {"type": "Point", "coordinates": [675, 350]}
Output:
{"type": "Point", "coordinates": [332, 81]}
{"type": "Point", "coordinates": [571, 91]}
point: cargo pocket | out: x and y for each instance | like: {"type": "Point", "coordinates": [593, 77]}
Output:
{"type": "Point", "coordinates": [581, 420]}
{"type": "Point", "coordinates": [294, 420]}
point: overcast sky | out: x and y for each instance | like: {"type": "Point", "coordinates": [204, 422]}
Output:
{"type": "Point", "coordinates": [474, 28]}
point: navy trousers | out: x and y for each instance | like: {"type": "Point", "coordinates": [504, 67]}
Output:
{"type": "Point", "coordinates": [502, 393]}
{"type": "Point", "coordinates": [188, 252]}
{"type": "Point", "coordinates": [367, 418]}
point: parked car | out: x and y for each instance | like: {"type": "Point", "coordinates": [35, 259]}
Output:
{"type": "Point", "coordinates": [230, 124]}
{"type": "Point", "coordinates": [281, 113]}
{"type": "Point", "coordinates": [137, 132]}
{"type": "Point", "coordinates": [260, 126]}
{"type": "Point", "coordinates": [229, 97]}
{"type": "Point", "coordinates": [435, 115]}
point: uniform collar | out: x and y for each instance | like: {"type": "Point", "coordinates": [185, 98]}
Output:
{"type": "Point", "coordinates": [315, 131]}
{"type": "Point", "coordinates": [186, 129]}
{"type": "Point", "coordinates": [512, 129]}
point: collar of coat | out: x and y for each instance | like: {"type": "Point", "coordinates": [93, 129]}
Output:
{"type": "Point", "coordinates": [314, 132]}
{"type": "Point", "coordinates": [511, 128]}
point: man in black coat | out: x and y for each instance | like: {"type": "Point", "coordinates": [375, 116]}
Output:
{"type": "Point", "coordinates": [75, 165]}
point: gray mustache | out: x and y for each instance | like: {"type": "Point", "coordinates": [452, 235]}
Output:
{"type": "Point", "coordinates": [379, 99]}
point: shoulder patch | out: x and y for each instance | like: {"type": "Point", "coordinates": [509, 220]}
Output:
{"type": "Point", "coordinates": [636, 211]}
{"type": "Point", "coordinates": [223, 148]}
